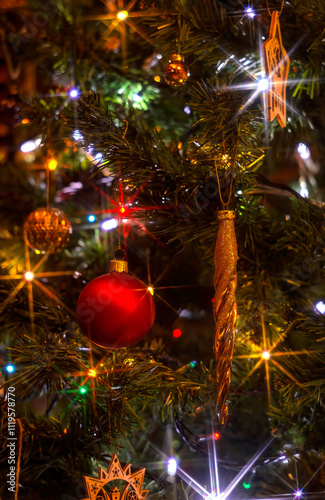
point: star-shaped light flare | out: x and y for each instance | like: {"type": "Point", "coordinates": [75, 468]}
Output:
{"type": "Point", "coordinates": [124, 211]}
{"type": "Point", "coordinates": [295, 492]}
{"type": "Point", "coordinates": [29, 278]}
{"type": "Point", "coordinates": [215, 493]}
{"type": "Point", "coordinates": [266, 355]}
{"type": "Point", "coordinates": [119, 15]}
{"type": "Point", "coordinates": [258, 83]}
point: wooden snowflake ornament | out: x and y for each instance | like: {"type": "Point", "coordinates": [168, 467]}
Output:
{"type": "Point", "coordinates": [96, 488]}
{"type": "Point", "coordinates": [277, 64]}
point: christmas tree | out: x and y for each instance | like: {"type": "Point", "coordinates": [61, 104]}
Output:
{"type": "Point", "coordinates": [162, 249]}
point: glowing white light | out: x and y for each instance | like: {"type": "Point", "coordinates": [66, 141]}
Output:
{"type": "Point", "coordinates": [249, 12]}
{"type": "Point", "coordinates": [29, 276]}
{"type": "Point", "coordinates": [320, 306]}
{"type": "Point", "coordinates": [73, 93]}
{"type": "Point", "coordinates": [123, 14]}
{"type": "Point", "coordinates": [77, 135]}
{"type": "Point", "coordinates": [98, 157]}
{"type": "Point", "coordinates": [159, 56]}
{"type": "Point", "coordinates": [266, 355]}
{"type": "Point", "coordinates": [298, 494]}
{"type": "Point", "coordinates": [136, 98]}
{"type": "Point", "coordinates": [187, 110]}
{"type": "Point", "coordinates": [303, 151]}
{"type": "Point", "coordinates": [303, 189]}
{"type": "Point", "coordinates": [185, 313]}
{"type": "Point", "coordinates": [29, 146]}
{"type": "Point", "coordinates": [263, 84]}
{"type": "Point", "coordinates": [221, 65]}
{"type": "Point", "coordinates": [109, 224]}
{"type": "Point", "coordinates": [172, 466]}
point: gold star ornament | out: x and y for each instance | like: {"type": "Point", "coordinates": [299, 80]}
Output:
{"type": "Point", "coordinates": [277, 64]}
{"type": "Point", "coordinates": [96, 489]}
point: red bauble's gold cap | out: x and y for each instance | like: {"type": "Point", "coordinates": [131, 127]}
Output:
{"type": "Point", "coordinates": [120, 266]}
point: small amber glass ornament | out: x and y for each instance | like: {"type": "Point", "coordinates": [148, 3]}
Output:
{"type": "Point", "coordinates": [47, 230]}
{"type": "Point", "coordinates": [176, 71]}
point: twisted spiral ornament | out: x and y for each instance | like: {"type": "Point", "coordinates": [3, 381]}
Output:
{"type": "Point", "coordinates": [225, 306]}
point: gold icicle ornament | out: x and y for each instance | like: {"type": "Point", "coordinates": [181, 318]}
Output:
{"type": "Point", "coordinates": [225, 306]}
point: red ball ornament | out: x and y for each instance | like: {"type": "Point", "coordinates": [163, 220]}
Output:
{"type": "Point", "coordinates": [115, 310]}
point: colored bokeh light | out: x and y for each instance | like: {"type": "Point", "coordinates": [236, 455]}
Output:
{"type": "Point", "coordinates": [52, 164]}
{"type": "Point", "coordinates": [246, 486]}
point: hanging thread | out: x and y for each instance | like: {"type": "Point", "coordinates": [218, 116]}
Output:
{"type": "Point", "coordinates": [268, 8]}
{"type": "Point", "coordinates": [225, 204]}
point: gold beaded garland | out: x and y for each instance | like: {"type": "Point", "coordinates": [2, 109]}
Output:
{"type": "Point", "coordinates": [176, 72]}
{"type": "Point", "coordinates": [47, 230]}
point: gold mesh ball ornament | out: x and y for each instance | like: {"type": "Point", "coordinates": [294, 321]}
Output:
{"type": "Point", "coordinates": [47, 230]}
{"type": "Point", "coordinates": [176, 71]}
